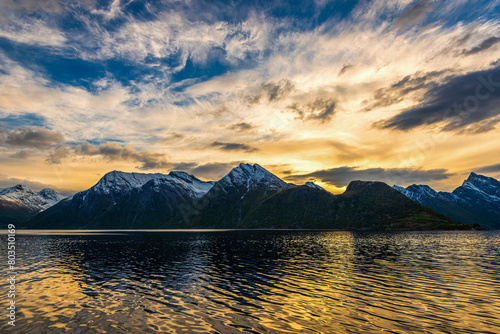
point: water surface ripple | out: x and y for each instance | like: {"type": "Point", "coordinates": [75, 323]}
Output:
{"type": "Point", "coordinates": [257, 282]}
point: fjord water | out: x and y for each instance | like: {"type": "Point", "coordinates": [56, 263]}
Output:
{"type": "Point", "coordinates": [256, 282]}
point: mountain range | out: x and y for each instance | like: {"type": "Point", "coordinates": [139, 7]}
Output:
{"type": "Point", "coordinates": [476, 201]}
{"type": "Point", "coordinates": [19, 203]}
{"type": "Point", "coordinates": [248, 197]}
{"type": "Point", "coordinates": [125, 201]}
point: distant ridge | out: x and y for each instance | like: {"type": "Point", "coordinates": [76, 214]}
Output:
{"type": "Point", "coordinates": [19, 203]}
{"type": "Point", "coordinates": [124, 200]}
{"type": "Point", "coordinates": [249, 196]}
{"type": "Point", "coordinates": [476, 201]}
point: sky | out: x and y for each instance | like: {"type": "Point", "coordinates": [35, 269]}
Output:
{"type": "Point", "coordinates": [398, 91]}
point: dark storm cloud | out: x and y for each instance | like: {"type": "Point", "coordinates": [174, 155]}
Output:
{"type": "Point", "coordinates": [112, 152]}
{"type": "Point", "coordinates": [489, 169]}
{"type": "Point", "coordinates": [58, 155]}
{"type": "Point", "coordinates": [320, 110]}
{"type": "Point", "coordinates": [241, 127]}
{"type": "Point", "coordinates": [271, 91]}
{"type": "Point", "coordinates": [23, 154]}
{"type": "Point", "coordinates": [184, 166]}
{"type": "Point", "coordinates": [214, 170]}
{"type": "Point", "coordinates": [341, 176]}
{"type": "Point", "coordinates": [484, 45]}
{"type": "Point", "coordinates": [396, 92]}
{"type": "Point", "coordinates": [462, 103]}
{"type": "Point", "coordinates": [414, 15]}
{"type": "Point", "coordinates": [35, 137]}
{"type": "Point", "coordinates": [233, 147]}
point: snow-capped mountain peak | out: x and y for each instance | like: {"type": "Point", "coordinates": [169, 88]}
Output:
{"type": "Point", "coordinates": [315, 186]}
{"type": "Point", "coordinates": [199, 187]}
{"type": "Point", "coordinates": [118, 182]}
{"type": "Point", "coordinates": [22, 196]}
{"type": "Point", "coordinates": [51, 196]}
{"type": "Point", "coordinates": [253, 175]}
{"type": "Point", "coordinates": [417, 192]}
{"type": "Point", "coordinates": [476, 200]}
{"type": "Point", "coordinates": [16, 192]}
{"type": "Point", "coordinates": [484, 184]}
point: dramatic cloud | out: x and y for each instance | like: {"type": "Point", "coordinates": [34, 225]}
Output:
{"type": "Point", "coordinates": [342, 176]}
{"type": "Point", "coordinates": [320, 109]}
{"type": "Point", "coordinates": [112, 152]}
{"type": "Point", "coordinates": [35, 137]}
{"type": "Point", "coordinates": [213, 170]}
{"type": "Point", "coordinates": [23, 154]}
{"type": "Point", "coordinates": [456, 104]}
{"type": "Point", "coordinates": [184, 166]}
{"type": "Point", "coordinates": [233, 147]}
{"type": "Point", "coordinates": [401, 89]}
{"type": "Point", "coordinates": [183, 85]}
{"type": "Point", "coordinates": [58, 155]}
{"type": "Point", "coordinates": [271, 91]}
{"type": "Point", "coordinates": [489, 169]}
{"type": "Point", "coordinates": [484, 45]}
{"type": "Point", "coordinates": [241, 127]}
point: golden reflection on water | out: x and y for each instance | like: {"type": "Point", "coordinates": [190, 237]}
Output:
{"type": "Point", "coordinates": [258, 282]}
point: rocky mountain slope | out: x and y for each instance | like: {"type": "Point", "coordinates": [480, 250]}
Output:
{"type": "Point", "coordinates": [231, 198]}
{"type": "Point", "coordinates": [125, 201]}
{"type": "Point", "coordinates": [247, 197]}
{"type": "Point", "coordinates": [19, 203]}
{"type": "Point", "coordinates": [476, 201]}
{"type": "Point", "coordinates": [251, 197]}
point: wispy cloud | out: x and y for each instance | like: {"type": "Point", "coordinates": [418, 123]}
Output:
{"type": "Point", "coordinates": [34, 32]}
{"type": "Point", "coordinates": [456, 104]}
{"type": "Point", "coordinates": [112, 12]}
{"type": "Point", "coordinates": [321, 110]}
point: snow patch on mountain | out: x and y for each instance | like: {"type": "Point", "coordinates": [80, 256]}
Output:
{"type": "Point", "coordinates": [118, 182]}
{"type": "Point", "coordinates": [247, 176]}
{"type": "Point", "coordinates": [51, 196]}
{"type": "Point", "coordinates": [198, 186]}
{"type": "Point", "coordinates": [417, 192]}
{"type": "Point", "coordinates": [477, 198]}
{"type": "Point", "coordinates": [22, 196]}
{"type": "Point", "coordinates": [315, 186]}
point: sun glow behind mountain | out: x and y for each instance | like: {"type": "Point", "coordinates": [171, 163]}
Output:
{"type": "Point", "coordinates": [332, 91]}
